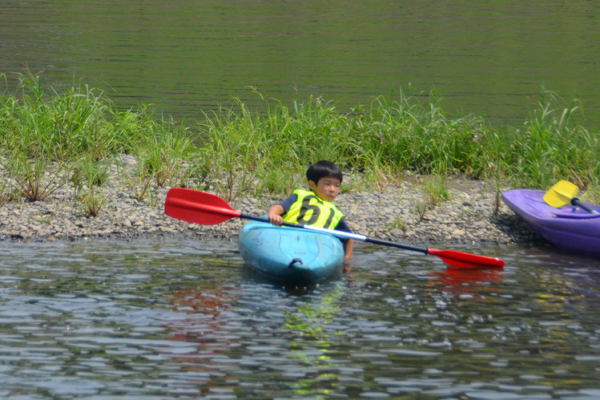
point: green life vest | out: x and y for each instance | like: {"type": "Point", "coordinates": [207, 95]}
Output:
{"type": "Point", "coordinates": [311, 210]}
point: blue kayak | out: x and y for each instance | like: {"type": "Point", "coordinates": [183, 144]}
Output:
{"type": "Point", "coordinates": [290, 254]}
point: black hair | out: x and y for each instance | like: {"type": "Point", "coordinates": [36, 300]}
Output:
{"type": "Point", "coordinates": [323, 169]}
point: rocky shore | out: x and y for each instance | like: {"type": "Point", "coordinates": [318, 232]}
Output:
{"type": "Point", "coordinates": [398, 213]}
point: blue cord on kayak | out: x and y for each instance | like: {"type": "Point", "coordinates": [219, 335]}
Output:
{"type": "Point", "coordinates": [295, 260]}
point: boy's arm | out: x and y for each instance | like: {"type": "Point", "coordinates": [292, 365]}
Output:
{"type": "Point", "coordinates": [279, 209]}
{"type": "Point", "coordinates": [275, 214]}
{"type": "Point", "coordinates": [348, 248]}
{"type": "Point", "coordinates": [349, 243]}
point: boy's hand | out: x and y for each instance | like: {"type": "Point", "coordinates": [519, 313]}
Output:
{"type": "Point", "coordinates": [275, 215]}
{"type": "Point", "coordinates": [275, 219]}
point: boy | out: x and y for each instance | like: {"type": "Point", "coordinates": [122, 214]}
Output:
{"type": "Point", "coordinates": [314, 207]}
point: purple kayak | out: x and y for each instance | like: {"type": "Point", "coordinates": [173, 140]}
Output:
{"type": "Point", "coordinates": [568, 227]}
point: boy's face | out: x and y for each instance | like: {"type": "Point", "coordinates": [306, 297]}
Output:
{"type": "Point", "coordinates": [326, 189]}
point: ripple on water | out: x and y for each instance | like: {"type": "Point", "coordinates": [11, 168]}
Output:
{"type": "Point", "coordinates": [166, 320]}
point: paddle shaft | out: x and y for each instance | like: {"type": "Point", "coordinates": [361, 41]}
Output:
{"type": "Point", "coordinates": [398, 245]}
{"type": "Point", "coordinates": [575, 201]}
{"type": "Point", "coordinates": [341, 234]}
{"type": "Point", "coordinates": [208, 209]}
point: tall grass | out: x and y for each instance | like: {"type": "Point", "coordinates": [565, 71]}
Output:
{"type": "Point", "coordinates": [399, 134]}
{"type": "Point", "coordinates": [40, 128]}
{"type": "Point", "coordinates": [236, 150]}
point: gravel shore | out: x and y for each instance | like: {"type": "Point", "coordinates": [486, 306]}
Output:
{"type": "Point", "coordinates": [393, 214]}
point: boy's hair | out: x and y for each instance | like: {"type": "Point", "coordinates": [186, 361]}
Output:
{"type": "Point", "coordinates": [323, 169]}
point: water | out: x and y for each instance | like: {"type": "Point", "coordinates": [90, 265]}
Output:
{"type": "Point", "coordinates": [172, 319]}
{"type": "Point", "coordinates": [488, 57]}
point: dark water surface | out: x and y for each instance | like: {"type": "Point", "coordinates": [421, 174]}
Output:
{"type": "Point", "coordinates": [172, 319]}
{"type": "Point", "coordinates": [488, 57]}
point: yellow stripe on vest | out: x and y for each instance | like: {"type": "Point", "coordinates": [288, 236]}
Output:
{"type": "Point", "coordinates": [311, 210]}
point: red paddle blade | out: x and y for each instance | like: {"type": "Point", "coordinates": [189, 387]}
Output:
{"type": "Point", "coordinates": [198, 207]}
{"type": "Point", "coordinates": [466, 260]}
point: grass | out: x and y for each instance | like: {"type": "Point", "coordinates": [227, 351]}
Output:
{"type": "Point", "coordinates": [93, 202]}
{"type": "Point", "coordinates": [91, 176]}
{"type": "Point", "coordinates": [436, 191]}
{"type": "Point", "coordinates": [397, 223]}
{"type": "Point", "coordinates": [36, 178]}
{"type": "Point", "coordinates": [138, 180]}
{"type": "Point", "coordinates": [236, 151]}
{"type": "Point", "coordinates": [5, 195]}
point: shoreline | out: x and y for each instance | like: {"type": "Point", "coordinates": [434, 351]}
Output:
{"type": "Point", "coordinates": [396, 213]}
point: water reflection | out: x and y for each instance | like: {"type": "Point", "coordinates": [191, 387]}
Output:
{"type": "Point", "coordinates": [488, 58]}
{"type": "Point", "coordinates": [183, 320]}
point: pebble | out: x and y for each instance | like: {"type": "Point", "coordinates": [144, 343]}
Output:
{"type": "Point", "coordinates": [392, 214]}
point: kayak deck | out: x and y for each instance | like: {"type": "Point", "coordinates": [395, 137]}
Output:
{"type": "Point", "coordinates": [290, 254]}
{"type": "Point", "coordinates": [569, 227]}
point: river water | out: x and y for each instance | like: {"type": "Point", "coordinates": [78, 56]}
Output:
{"type": "Point", "coordinates": [184, 319]}
{"type": "Point", "coordinates": [489, 57]}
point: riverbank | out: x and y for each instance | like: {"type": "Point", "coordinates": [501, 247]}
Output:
{"type": "Point", "coordinates": [268, 149]}
{"type": "Point", "coordinates": [73, 166]}
{"type": "Point", "coordinates": [402, 211]}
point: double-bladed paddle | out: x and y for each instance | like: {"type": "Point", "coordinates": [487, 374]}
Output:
{"type": "Point", "coordinates": [208, 209]}
{"type": "Point", "coordinates": [564, 193]}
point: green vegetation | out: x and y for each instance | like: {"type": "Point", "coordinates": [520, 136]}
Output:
{"type": "Point", "coordinates": [436, 191]}
{"type": "Point", "coordinates": [36, 178]}
{"type": "Point", "coordinates": [91, 175]}
{"type": "Point", "coordinates": [397, 223]}
{"type": "Point", "coordinates": [4, 196]}
{"type": "Point", "coordinates": [46, 135]}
